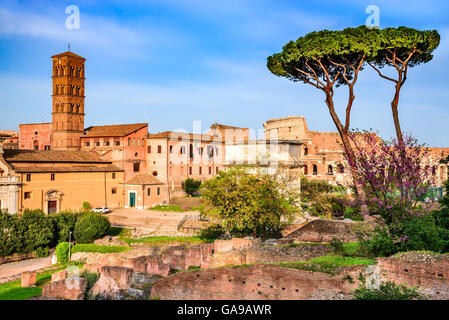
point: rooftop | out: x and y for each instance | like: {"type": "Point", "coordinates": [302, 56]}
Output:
{"type": "Point", "coordinates": [119, 130]}
{"type": "Point", "coordinates": [51, 156]}
{"type": "Point", "coordinates": [68, 53]}
{"type": "Point", "coordinates": [143, 179]}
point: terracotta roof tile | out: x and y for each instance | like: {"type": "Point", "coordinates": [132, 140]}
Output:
{"type": "Point", "coordinates": [68, 53]}
{"type": "Point", "coordinates": [120, 130]}
{"type": "Point", "coordinates": [51, 156]}
{"type": "Point", "coordinates": [143, 179]}
{"type": "Point", "coordinates": [23, 168]}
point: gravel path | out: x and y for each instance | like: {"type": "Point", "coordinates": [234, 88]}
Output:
{"type": "Point", "coordinates": [11, 269]}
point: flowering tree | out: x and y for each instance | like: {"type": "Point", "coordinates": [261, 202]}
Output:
{"type": "Point", "coordinates": [393, 175]}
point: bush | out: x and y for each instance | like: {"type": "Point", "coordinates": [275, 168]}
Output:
{"type": "Point", "coordinates": [211, 233]}
{"type": "Point", "coordinates": [91, 226]}
{"type": "Point", "coordinates": [312, 189]}
{"type": "Point", "coordinates": [62, 252]}
{"type": "Point", "coordinates": [91, 279]}
{"type": "Point", "coordinates": [9, 238]}
{"type": "Point", "coordinates": [64, 223]}
{"type": "Point", "coordinates": [387, 291]}
{"type": "Point", "coordinates": [37, 230]}
{"type": "Point", "coordinates": [328, 205]}
{"type": "Point", "coordinates": [86, 206]}
{"type": "Point", "coordinates": [378, 243]}
{"type": "Point", "coordinates": [191, 186]}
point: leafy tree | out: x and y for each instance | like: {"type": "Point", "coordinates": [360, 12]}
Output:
{"type": "Point", "coordinates": [402, 48]}
{"type": "Point", "coordinates": [191, 186]}
{"type": "Point", "coordinates": [247, 203]}
{"type": "Point", "coordinates": [9, 238]}
{"type": "Point", "coordinates": [394, 175]}
{"type": "Point", "coordinates": [36, 230]}
{"type": "Point", "coordinates": [328, 59]}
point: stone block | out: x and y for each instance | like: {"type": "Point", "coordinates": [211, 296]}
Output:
{"type": "Point", "coordinates": [72, 288]}
{"type": "Point", "coordinates": [60, 275]}
{"type": "Point", "coordinates": [28, 279]}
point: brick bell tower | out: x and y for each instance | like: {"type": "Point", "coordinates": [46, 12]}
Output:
{"type": "Point", "coordinates": [68, 101]}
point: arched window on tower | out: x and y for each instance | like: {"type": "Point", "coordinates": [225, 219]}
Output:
{"type": "Point", "coordinates": [315, 170]}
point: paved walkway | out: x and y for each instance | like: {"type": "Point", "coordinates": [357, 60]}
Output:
{"type": "Point", "coordinates": [157, 222]}
{"type": "Point", "coordinates": [8, 270]}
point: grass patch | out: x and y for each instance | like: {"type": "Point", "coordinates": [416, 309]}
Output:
{"type": "Point", "coordinates": [98, 248]}
{"type": "Point", "coordinates": [119, 231]}
{"type": "Point", "coordinates": [165, 240]}
{"type": "Point", "coordinates": [327, 264]}
{"type": "Point", "coordinates": [172, 208]}
{"type": "Point", "coordinates": [13, 290]}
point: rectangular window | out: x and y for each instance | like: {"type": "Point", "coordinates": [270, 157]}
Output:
{"type": "Point", "coordinates": [190, 170]}
{"type": "Point", "coordinates": [113, 176]}
{"type": "Point", "coordinates": [114, 190]}
{"type": "Point", "coordinates": [87, 144]}
{"type": "Point", "coordinates": [117, 143]}
{"type": "Point", "coordinates": [134, 142]}
{"type": "Point", "coordinates": [136, 167]}
{"type": "Point", "coordinates": [107, 143]}
{"type": "Point", "coordinates": [149, 149]}
{"type": "Point", "coordinates": [183, 150]}
{"type": "Point", "coordinates": [47, 148]}
{"type": "Point", "coordinates": [129, 142]}
{"type": "Point", "coordinates": [97, 143]}
{"type": "Point", "coordinates": [158, 191]}
{"type": "Point", "coordinates": [28, 177]}
{"type": "Point", "coordinates": [216, 170]}
{"type": "Point", "coordinates": [138, 143]}
{"type": "Point", "coordinates": [200, 169]}
{"type": "Point", "coordinates": [27, 195]}
{"type": "Point", "coordinates": [149, 192]}
{"type": "Point", "coordinates": [52, 177]}
{"type": "Point", "coordinates": [210, 170]}
{"type": "Point", "coordinates": [159, 149]}
{"type": "Point", "coordinates": [143, 142]}
{"type": "Point", "coordinates": [171, 149]}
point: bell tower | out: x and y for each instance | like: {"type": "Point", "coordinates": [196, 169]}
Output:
{"type": "Point", "coordinates": [68, 101]}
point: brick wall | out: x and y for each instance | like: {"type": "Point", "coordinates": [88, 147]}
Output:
{"type": "Point", "coordinates": [324, 231]}
{"type": "Point", "coordinates": [259, 282]}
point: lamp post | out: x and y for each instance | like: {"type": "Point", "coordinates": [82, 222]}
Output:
{"type": "Point", "coordinates": [70, 243]}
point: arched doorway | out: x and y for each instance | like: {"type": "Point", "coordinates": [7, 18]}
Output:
{"type": "Point", "coordinates": [36, 145]}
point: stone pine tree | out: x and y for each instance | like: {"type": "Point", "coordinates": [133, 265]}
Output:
{"type": "Point", "coordinates": [402, 48]}
{"type": "Point", "coordinates": [325, 60]}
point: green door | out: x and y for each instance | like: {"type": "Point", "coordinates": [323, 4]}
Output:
{"type": "Point", "coordinates": [132, 199]}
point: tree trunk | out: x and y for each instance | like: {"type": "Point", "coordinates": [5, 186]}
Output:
{"type": "Point", "coordinates": [346, 144]}
{"type": "Point", "coordinates": [394, 109]}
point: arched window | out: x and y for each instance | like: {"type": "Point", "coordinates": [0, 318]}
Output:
{"type": "Point", "coordinates": [330, 170]}
{"type": "Point", "coordinates": [315, 170]}
{"type": "Point", "coordinates": [306, 170]}
{"type": "Point", "coordinates": [306, 151]}
{"type": "Point", "coordinates": [36, 145]}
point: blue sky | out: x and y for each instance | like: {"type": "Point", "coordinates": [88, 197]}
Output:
{"type": "Point", "coordinates": [172, 62]}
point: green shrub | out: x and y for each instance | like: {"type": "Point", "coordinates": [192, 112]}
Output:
{"type": "Point", "coordinates": [91, 279]}
{"type": "Point", "coordinates": [91, 226]}
{"type": "Point", "coordinates": [422, 233]}
{"type": "Point", "coordinates": [42, 252]}
{"type": "Point", "coordinates": [62, 252]}
{"type": "Point", "coordinates": [9, 238]}
{"type": "Point", "coordinates": [211, 233]}
{"type": "Point", "coordinates": [328, 205]}
{"type": "Point", "coordinates": [37, 230]}
{"type": "Point", "coordinates": [64, 223]}
{"type": "Point", "coordinates": [387, 291]}
{"type": "Point", "coordinates": [312, 189]}
{"type": "Point", "coordinates": [378, 243]}
{"type": "Point", "coordinates": [191, 186]}
{"type": "Point", "coordinates": [86, 206]}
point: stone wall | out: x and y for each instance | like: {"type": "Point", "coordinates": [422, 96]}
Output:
{"type": "Point", "coordinates": [427, 271]}
{"type": "Point", "coordinates": [268, 255]}
{"type": "Point", "coordinates": [258, 282]}
{"type": "Point", "coordinates": [324, 231]}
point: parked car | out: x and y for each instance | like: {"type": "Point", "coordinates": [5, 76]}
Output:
{"type": "Point", "coordinates": [101, 210]}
